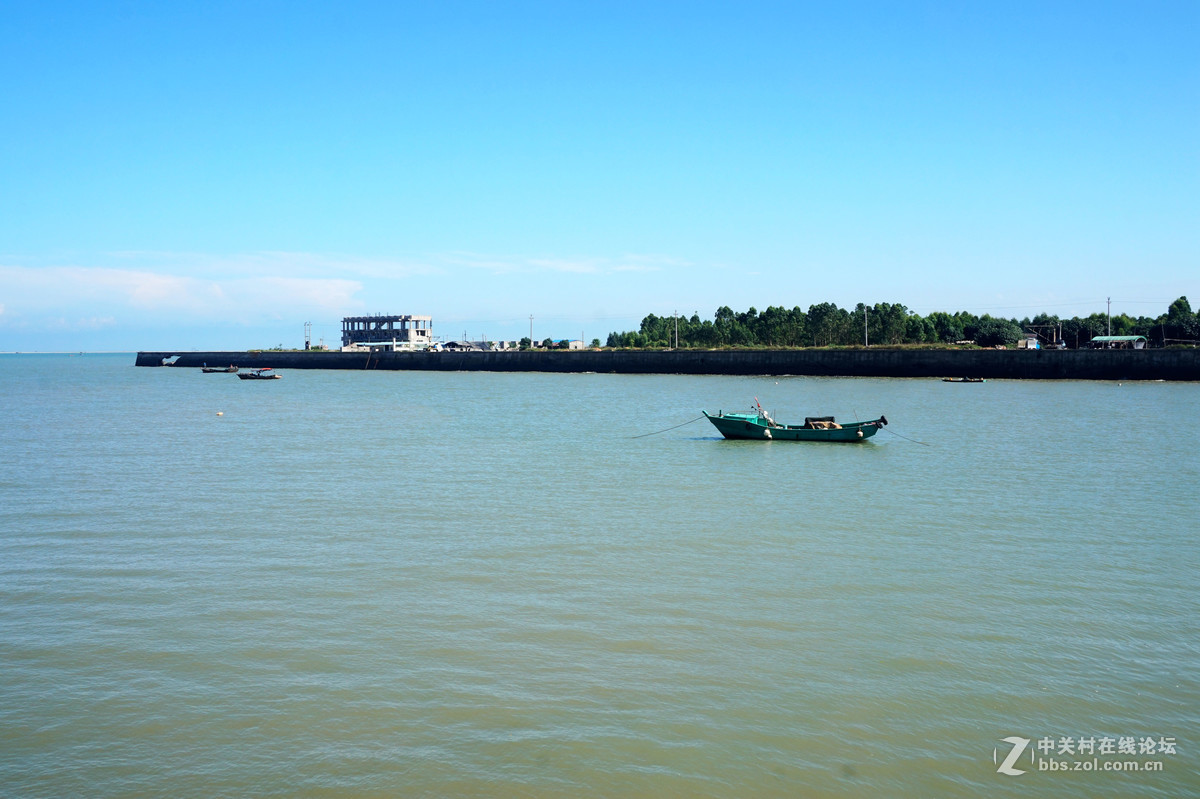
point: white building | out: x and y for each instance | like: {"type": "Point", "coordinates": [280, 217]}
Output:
{"type": "Point", "coordinates": [386, 333]}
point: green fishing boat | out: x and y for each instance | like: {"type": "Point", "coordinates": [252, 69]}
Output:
{"type": "Point", "coordinates": [760, 426]}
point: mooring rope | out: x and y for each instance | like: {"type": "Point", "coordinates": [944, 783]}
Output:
{"type": "Point", "coordinates": [906, 438]}
{"type": "Point", "coordinates": [656, 432]}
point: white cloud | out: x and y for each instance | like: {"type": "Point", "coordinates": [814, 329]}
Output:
{"type": "Point", "coordinates": [100, 293]}
{"type": "Point", "coordinates": [79, 323]}
{"type": "Point", "coordinates": [145, 290]}
{"type": "Point", "coordinates": [578, 267]}
{"type": "Point", "coordinates": [272, 264]}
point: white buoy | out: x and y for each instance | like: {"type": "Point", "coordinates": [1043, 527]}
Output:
{"type": "Point", "coordinates": [220, 413]}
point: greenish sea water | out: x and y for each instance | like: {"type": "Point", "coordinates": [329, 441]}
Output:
{"type": "Point", "coordinates": [478, 584]}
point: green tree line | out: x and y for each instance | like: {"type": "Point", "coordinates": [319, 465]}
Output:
{"type": "Point", "coordinates": [887, 324]}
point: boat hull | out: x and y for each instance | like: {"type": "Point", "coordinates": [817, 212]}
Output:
{"type": "Point", "coordinates": [751, 427]}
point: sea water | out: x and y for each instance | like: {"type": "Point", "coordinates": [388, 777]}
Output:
{"type": "Point", "coordinates": [542, 585]}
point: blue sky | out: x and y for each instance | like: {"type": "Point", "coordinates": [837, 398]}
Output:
{"type": "Point", "coordinates": [214, 175]}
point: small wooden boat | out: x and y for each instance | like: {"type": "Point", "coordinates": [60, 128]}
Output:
{"type": "Point", "coordinates": [760, 426]}
{"type": "Point", "coordinates": [260, 374]}
{"type": "Point", "coordinates": [963, 380]}
{"type": "Point", "coordinates": [212, 370]}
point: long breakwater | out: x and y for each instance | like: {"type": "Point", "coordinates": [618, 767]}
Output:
{"type": "Point", "coordinates": [1168, 364]}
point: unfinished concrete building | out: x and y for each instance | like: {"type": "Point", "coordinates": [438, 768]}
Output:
{"type": "Point", "coordinates": [406, 332]}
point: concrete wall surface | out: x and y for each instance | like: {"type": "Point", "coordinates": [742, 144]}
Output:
{"type": "Point", "coordinates": [1165, 364]}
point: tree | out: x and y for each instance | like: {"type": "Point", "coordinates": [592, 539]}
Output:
{"type": "Point", "coordinates": [946, 328]}
{"type": "Point", "coordinates": [655, 328]}
{"type": "Point", "coordinates": [890, 323]}
{"type": "Point", "coordinates": [1180, 322]}
{"type": "Point", "coordinates": [1044, 319]}
{"type": "Point", "coordinates": [918, 330]}
{"type": "Point", "coordinates": [1078, 332]}
{"type": "Point", "coordinates": [1124, 325]}
{"type": "Point", "coordinates": [723, 322]}
{"type": "Point", "coordinates": [772, 326]}
{"type": "Point", "coordinates": [525, 343]}
{"type": "Point", "coordinates": [994, 332]}
{"type": "Point", "coordinates": [826, 322]}
{"type": "Point", "coordinates": [702, 334]}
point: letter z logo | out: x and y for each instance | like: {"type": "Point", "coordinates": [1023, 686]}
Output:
{"type": "Point", "coordinates": [1018, 748]}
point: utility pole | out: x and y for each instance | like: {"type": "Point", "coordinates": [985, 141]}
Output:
{"type": "Point", "coordinates": [676, 317]}
{"type": "Point", "coordinates": [531, 331]}
{"type": "Point", "coordinates": [1110, 316]}
{"type": "Point", "coordinates": [866, 343]}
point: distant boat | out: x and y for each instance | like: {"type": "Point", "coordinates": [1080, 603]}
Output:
{"type": "Point", "coordinates": [760, 426]}
{"type": "Point", "coordinates": [260, 374]}
{"type": "Point", "coordinates": [963, 380]}
{"type": "Point", "coordinates": [211, 370]}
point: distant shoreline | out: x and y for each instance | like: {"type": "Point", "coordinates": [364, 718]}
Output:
{"type": "Point", "coordinates": [1164, 364]}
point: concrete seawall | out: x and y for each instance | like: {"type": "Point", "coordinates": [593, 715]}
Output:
{"type": "Point", "coordinates": [1168, 364]}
